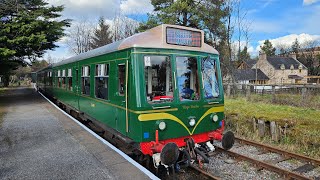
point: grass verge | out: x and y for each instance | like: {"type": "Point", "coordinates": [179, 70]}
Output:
{"type": "Point", "coordinates": [302, 135]}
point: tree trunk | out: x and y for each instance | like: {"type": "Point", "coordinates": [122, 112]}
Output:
{"type": "Point", "coordinates": [6, 80]}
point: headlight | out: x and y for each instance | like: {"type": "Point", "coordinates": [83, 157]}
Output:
{"type": "Point", "coordinates": [162, 125]}
{"type": "Point", "coordinates": [192, 122]}
{"type": "Point", "coordinates": [215, 118]}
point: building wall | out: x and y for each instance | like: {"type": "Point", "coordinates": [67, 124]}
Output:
{"type": "Point", "coordinates": [267, 69]}
{"type": "Point", "coordinates": [279, 76]}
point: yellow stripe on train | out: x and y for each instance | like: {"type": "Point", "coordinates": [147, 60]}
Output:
{"type": "Point", "coordinates": [160, 116]}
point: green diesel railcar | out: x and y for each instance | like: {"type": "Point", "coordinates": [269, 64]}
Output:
{"type": "Point", "coordinates": [155, 88]}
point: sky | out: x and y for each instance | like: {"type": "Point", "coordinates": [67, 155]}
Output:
{"type": "Point", "coordinates": [281, 21]}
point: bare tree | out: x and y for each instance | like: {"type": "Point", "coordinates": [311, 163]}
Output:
{"type": "Point", "coordinates": [79, 37]}
{"type": "Point", "coordinates": [282, 49]}
{"type": "Point", "coordinates": [123, 27]}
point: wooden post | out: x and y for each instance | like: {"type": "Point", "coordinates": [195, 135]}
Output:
{"type": "Point", "coordinates": [262, 127]}
{"type": "Point", "coordinates": [274, 131]}
{"type": "Point", "coordinates": [303, 94]}
{"type": "Point", "coordinates": [248, 91]}
{"type": "Point", "coordinates": [254, 124]}
{"type": "Point", "coordinates": [228, 90]}
{"type": "Point", "coordinates": [273, 93]}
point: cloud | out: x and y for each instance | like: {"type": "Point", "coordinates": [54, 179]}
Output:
{"type": "Point", "coordinates": [288, 40]}
{"type": "Point", "coordinates": [136, 6]}
{"type": "Point", "coordinates": [77, 9]}
{"type": "Point", "coordinates": [235, 47]}
{"type": "Point", "coordinates": [285, 42]}
{"type": "Point", "coordinates": [308, 2]}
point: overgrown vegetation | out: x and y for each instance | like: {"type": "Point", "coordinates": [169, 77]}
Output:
{"type": "Point", "coordinates": [301, 125]}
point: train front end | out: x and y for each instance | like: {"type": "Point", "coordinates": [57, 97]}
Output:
{"type": "Point", "coordinates": [182, 101]}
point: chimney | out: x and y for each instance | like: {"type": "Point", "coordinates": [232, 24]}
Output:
{"type": "Point", "coordinates": [262, 55]}
{"type": "Point", "coordinates": [293, 55]}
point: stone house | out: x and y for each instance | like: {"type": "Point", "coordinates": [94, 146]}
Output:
{"type": "Point", "coordinates": [282, 70]}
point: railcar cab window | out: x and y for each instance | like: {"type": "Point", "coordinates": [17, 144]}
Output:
{"type": "Point", "coordinates": [86, 80]}
{"type": "Point", "coordinates": [210, 78]}
{"type": "Point", "coordinates": [69, 79]}
{"type": "Point", "coordinates": [122, 76]}
{"type": "Point", "coordinates": [187, 78]}
{"type": "Point", "coordinates": [64, 78]}
{"type": "Point", "coordinates": [158, 79]}
{"type": "Point", "coordinates": [101, 81]}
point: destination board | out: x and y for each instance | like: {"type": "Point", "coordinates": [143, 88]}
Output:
{"type": "Point", "coordinates": [183, 37]}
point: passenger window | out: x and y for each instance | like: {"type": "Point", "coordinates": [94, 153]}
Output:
{"type": "Point", "coordinates": [64, 79]}
{"type": "Point", "coordinates": [69, 79]}
{"type": "Point", "coordinates": [101, 81]}
{"type": "Point", "coordinates": [122, 76]}
{"type": "Point", "coordinates": [158, 79]}
{"type": "Point", "coordinates": [188, 78]}
{"type": "Point", "coordinates": [86, 80]}
{"type": "Point", "coordinates": [59, 78]}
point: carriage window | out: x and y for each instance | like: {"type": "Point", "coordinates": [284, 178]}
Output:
{"type": "Point", "coordinates": [50, 78]}
{"type": "Point", "coordinates": [122, 76]}
{"type": "Point", "coordinates": [158, 79]}
{"type": "Point", "coordinates": [210, 78]}
{"type": "Point", "coordinates": [69, 79]}
{"type": "Point", "coordinates": [86, 80]}
{"type": "Point", "coordinates": [101, 81]}
{"type": "Point", "coordinates": [59, 78]}
{"type": "Point", "coordinates": [187, 78]}
{"type": "Point", "coordinates": [64, 78]}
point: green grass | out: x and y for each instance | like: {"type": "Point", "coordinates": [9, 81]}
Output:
{"type": "Point", "coordinates": [2, 90]}
{"type": "Point", "coordinates": [304, 123]}
{"type": "Point", "coordinates": [310, 101]}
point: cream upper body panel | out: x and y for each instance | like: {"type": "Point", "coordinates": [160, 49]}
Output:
{"type": "Point", "coordinates": [153, 38]}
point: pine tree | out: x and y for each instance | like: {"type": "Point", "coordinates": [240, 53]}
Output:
{"type": "Point", "coordinates": [28, 29]}
{"type": "Point", "coordinates": [102, 34]}
{"type": "Point", "coordinates": [295, 46]}
{"type": "Point", "coordinates": [268, 48]}
{"type": "Point", "coordinates": [244, 55]}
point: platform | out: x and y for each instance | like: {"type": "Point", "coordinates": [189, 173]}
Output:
{"type": "Point", "coordinates": [37, 141]}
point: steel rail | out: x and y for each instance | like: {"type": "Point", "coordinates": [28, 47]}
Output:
{"type": "Point", "coordinates": [285, 173]}
{"type": "Point", "coordinates": [210, 176]}
{"type": "Point", "coordinates": [280, 151]}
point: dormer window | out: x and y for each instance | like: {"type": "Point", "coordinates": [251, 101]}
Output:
{"type": "Point", "coordinates": [300, 68]}
{"type": "Point", "coordinates": [282, 67]}
{"type": "Point", "coordinates": [291, 67]}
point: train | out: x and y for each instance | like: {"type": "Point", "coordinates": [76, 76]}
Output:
{"type": "Point", "coordinates": [159, 92]}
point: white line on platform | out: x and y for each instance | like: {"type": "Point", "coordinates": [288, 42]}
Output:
{"type": "Point", "coordinates": [143, 169]}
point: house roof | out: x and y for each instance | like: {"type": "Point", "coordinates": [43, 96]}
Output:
{"type": "Point", "coordinates": [249, 74]}
{"type": "Point", "coordinates": [276, 62]}
{"type": "Point", "coordinates": [251, 63]}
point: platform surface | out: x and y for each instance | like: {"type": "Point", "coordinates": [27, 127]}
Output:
{"type": "Point", "coordinates": [37, 141]}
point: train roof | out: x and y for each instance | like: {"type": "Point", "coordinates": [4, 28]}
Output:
{"type": "Point", "coordinates": [153, 38]}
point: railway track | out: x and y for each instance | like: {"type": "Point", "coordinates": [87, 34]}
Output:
{"type": "Point", "coordinates": [306, 164]}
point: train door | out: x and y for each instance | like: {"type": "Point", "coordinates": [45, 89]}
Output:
{"type": "Point", "coordinates": [76, 85]}
{"type": "Point", "coordinates": [121, 96]}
